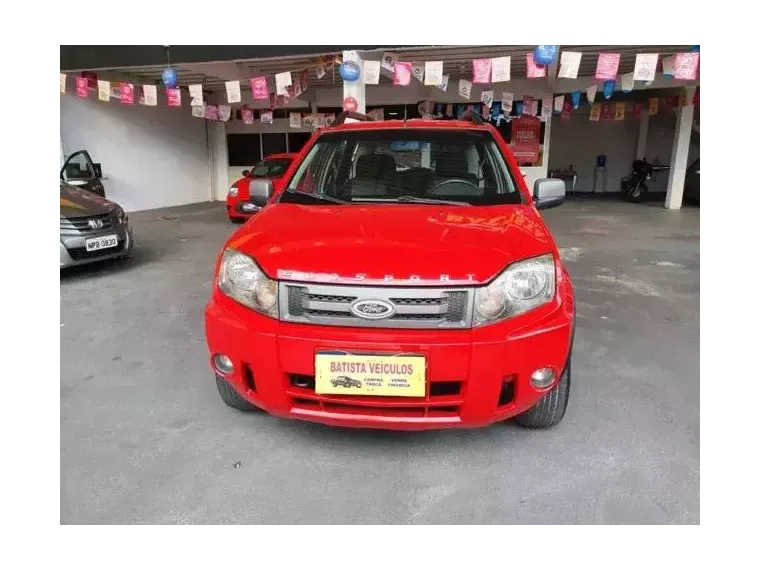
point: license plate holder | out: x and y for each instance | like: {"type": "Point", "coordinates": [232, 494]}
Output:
{"type": "Point", "coordinates": [101, 242]}
{"type": "Point", "coordinates": [360, 374]}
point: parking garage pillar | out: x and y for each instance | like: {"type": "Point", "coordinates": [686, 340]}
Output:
{"type": "Point", "coordinates": [355, 89]}
{"type": "Point", "coordinates": [680, 154]}
{"type": "Point", "coordinates": [641, 145]}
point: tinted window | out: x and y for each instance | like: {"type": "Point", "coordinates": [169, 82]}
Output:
{"type": "Point", "coordinates": [384, 165]}
{"type": "Point", "coordinates": [272, 168]}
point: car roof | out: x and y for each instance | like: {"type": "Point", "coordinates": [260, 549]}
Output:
{"type": "Point", "coordinates": [409, 124]}
{"type": "Point", "coordinates": [281, 155]}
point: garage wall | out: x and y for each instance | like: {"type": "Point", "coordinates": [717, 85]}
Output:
{"type": "Point", "coordinates": [152, 157]}
{"type": "Point", "coordinates": [578, 141]}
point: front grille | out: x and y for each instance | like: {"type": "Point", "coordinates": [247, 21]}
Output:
{"type": "Point", "coordinates": [76, 226]}
{"type": "Point", "coordinates": [442, 399]}
{"type": "Point", "coordinates": [419, 307]}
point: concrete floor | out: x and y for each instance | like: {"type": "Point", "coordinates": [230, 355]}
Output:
{"type": "Point", "coordinates": [146, 439]}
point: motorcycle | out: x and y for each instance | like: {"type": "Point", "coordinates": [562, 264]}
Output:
{"type": "Point", "coordinates": [634, 185]}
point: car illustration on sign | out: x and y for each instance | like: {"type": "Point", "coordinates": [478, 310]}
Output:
{"type": "Point", "coordinates": [346, 382]}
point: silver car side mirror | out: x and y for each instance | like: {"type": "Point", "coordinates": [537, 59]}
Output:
{"type": "Point", "coordinates": [548, 193]}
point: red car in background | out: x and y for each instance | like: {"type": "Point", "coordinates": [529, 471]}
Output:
{"type": "Point", "coordinates": [240, 207]}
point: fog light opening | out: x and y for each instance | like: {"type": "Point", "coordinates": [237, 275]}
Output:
{"type": "Point", "coordinates": [222, 364]}
{"type": "Point", "coordinates": [542, 378]}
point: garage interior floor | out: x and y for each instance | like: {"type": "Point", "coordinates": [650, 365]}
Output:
{"type": "Point", "coordinates": [145, 437]}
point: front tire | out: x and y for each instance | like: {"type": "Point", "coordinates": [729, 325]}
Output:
{"type": "Point", "coordinates": [550, 409]}
{"type": "Point", "coordinates": [232, 398]}
{"type": "Point", "coordinates": [636, 194]}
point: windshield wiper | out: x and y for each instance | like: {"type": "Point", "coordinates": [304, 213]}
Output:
{"type": "Point", "coordinates": [417, 200]}
{"type": "Point", "coordinates": [321, 197]}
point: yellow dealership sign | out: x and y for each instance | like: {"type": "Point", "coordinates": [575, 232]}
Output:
{"type": "Point", "coordinates": [370, 375]}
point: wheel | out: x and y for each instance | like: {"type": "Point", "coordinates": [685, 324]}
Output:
{"type": "Point", "coordinates": [232, 398]}
{"type": "Point", "coordinates": [636, 194]}
{"type": "Point", "coordinates": [236, 220]}
{"type": "Point", "coordinates": [550, 409]}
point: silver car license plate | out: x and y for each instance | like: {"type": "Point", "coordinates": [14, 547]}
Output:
{"type": "Point", "coordinates": [102, 242]}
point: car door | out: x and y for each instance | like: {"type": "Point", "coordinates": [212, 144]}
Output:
{"type": "Point", "coordinates": [79, 170]}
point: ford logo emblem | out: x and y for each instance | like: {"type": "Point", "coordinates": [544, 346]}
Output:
{"type": "Point", "coordinates": [372, 309]}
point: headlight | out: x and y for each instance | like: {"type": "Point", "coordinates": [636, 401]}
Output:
{"type": "Point", "coordinates": [242, 280]}
{"type": "Point", "coordinates": [121, 217]}
{"type": "Point", "coordinates": [521, 287]}
{"type": "Point", "coordinates": [233, 192]}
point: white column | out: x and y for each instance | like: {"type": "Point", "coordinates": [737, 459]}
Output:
{"type": "Point", "coordinates": [680, 155]}
{"type": "Point", "coordinates": [218, 159]}
{"type": "Point", "coordinates": [356, 89]}
{"type": "Point", "coordinates": [641, 146]}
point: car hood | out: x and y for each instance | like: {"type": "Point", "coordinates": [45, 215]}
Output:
{"type": "Point", "coordinates": [78, 203]}
{"type": "Point", "coordinates": [391, 243]}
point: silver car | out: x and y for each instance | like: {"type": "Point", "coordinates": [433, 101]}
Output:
{"type": "Point", "coordinates": [92, 228]}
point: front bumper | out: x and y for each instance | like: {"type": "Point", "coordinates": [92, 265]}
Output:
{"type": "Point", "coordinates": [72, 247]}
{"type": "Point", "coordinates": [242, 209]}
{"type": "Point", "coordinates": [474, 377]}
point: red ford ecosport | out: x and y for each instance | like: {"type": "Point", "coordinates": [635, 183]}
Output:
{"type": "Point", "coordinates": [409, 257]}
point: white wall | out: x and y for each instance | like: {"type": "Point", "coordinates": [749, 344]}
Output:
{"type": "Point", "coordinates": [152, 157]}
{"type": "Point", "coordinates": [577, 141]}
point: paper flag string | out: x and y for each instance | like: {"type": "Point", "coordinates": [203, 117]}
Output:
{"type": "Point", "coordinates": [481, 70]}
{"type": "Point", "coordinates": [620, 111]}
{"type": "Point", "coordinates": [196, 95]}
{"type": "Point", "coordinates": [149, 95]}
{"type": "Point", "coordinates": [654, 105]}
{"type": "Point", "coordinates": [591, 93]}
{"type": "Point", "coordinates": [576, 98]}
{"type": "Point", "coordinates": [433, 73]}
{"type": "Point", "coordinates": [267, 117]}
{"type": "Point", "coordinates": [82, 87]}
{"type": "Point", "coordinates": [559, 103]}
{"type": "Point", "coordinates": [608, 111]}
{"type": "Point", "coordinates": [173, 97]}
{"type": "Point", "coordinates": [527, 105]}
{"type": "Point", "coordinates": [487, 97]}
{"type": "Point", "coordinates": [569, 62]}
{"type": "Point", "coordinates": [626, 82]}
{"type": "Point", "coordinates": [371, 72]}
{"type": "Point", "coordinates": [464, 88]}
{"type": "Point", "coordinates": [501, 69]}
{"type": "Point", "coordinates": [444, 83]}
{"type": "Point", "coordinates": [566, 109]}
{"type": "Point", "coordinates": [596, 110]}
{"type": "Point", "coordinates": [545, 55]}
{"type": "Point", "coordinates": [607, 65]}
{"type": "Point", "coordinates": [198, 111]}
{"type": "Point", "coordinates": [282, 81]}
{"type": "Point", "coordinates": [388, 61]}
{"type": "Point", "coordinates": [247, 114]}
{"type": "Point", "coordinates": [259, 88]}
{"type": "Point", "coordinates": [645, 67]}
{"type": "Point", "coordinates": [295, 120]}
{"type": "Point", "coordinates": [104, 90]}
{"type": "Point", "coordinates": [546, 107]}
{"type": "Point", "coordinates": [636, 113]}
{"type": "Point", "coordinates": [320, 71]}
{"type": "Point", "coordinates": [402, 73]}
{"type": "Point", "coordinates": [686, 65]}
{"type": "Point", "coordinates": [127, 94]}
{"type": "Point", "coordinates": [212, 112]}
{"type": "Point", "coordinates": [608, 88]}
{"type": "Point", "coordinates": [535, 71]}
{"type": "Point", "coordinates": [63, 83]}
{"type": "Point", "coordinates": [418, 71]}
{"type": "Point", "coordinates": [233, 91]}
{"type": "Point", "coordinates": [668, 66]}
{"type": "Point", "coordinates": [507, 99]}
{"type": "Point", "coordinates": [519, 108]}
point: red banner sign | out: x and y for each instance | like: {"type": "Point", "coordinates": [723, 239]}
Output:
{"type": "Point", "coordinates": [526, 135]}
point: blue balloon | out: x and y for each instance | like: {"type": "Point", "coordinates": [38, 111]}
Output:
{"type": "Point", "coordinates": [544, 55]}
{"type": "Point", "coordinates": [169, 77]}
{"type": "Point", "coordinates": [609, 88]}
{"type": "Point", "coordinates": [349, 71]}
{"type": "Point", "coordinates": [576, 98]}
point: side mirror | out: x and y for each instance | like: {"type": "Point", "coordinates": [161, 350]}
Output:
{"type": "Point", "coordinates": [261, 190]}
{"type": "Point", "coordinates": [548, 193]}
{"type": "Point", "coordinates": [98, 170]}
{"type": "Point", "coordinates": [246, 172]}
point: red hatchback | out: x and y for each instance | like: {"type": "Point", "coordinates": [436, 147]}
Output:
{"type": "Point", "coordinates": [401, 278]}
{"type": "Point", "coordinates": [240, 207]}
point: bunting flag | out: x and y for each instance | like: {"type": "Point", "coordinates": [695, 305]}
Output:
{"type": "Point", "coordinates": [636, 113]}
{"type": "Point", "coordinates": [620, 111]}
{"type": "Point", "coordinates": [654, 105]}
{"type": "Point", "coordinates": [596, 110]}
{"type": "Point", "coordinates": [281, 88]}
{"type": "Point", "coordinates": [608, 111]}
{"type": "Point", "coordinates": [295, 120]}
{"type": "Point", "coordinates": [567, 109]}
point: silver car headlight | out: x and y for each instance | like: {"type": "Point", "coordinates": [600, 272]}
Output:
{"type": "Point", "coordinates": [522, 286]}
{"type": "Point", "coordinates": [233, 192]}
{"type": "Point", "coordinates": [242, 280]}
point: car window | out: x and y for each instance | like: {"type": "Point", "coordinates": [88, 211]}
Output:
{"type": "Point", "coordinates": [384, 165]}
{"type": "Point", "coordinates": [273, 168]}
{"type": "Point", "coordinates": [78, 168]}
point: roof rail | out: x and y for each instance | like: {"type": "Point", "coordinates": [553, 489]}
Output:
{"type": "Point", "coordinates": [344, 115]}
{"type": "Point", "coordinates": [473, 116]}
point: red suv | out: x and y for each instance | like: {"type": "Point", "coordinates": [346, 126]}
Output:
{"type": "Point", "coordinates": [410, 257]}
{"type": "Point", "coordinates": [240, 205]}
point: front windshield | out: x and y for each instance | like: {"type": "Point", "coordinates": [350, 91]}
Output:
{"type": "Point", "coordinates": [404, 165]}
{"type": "Point", "coordinates": [272, 168]}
